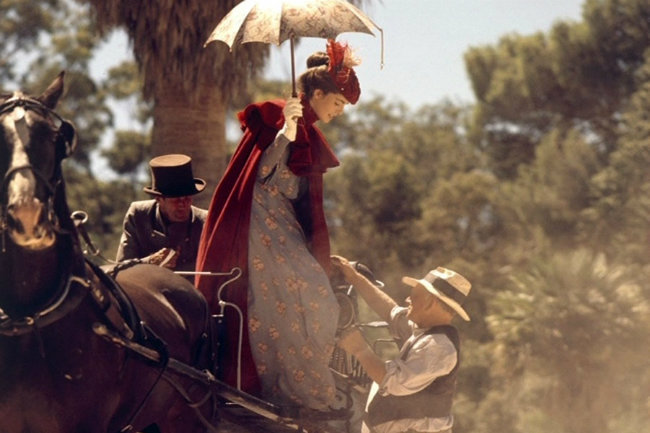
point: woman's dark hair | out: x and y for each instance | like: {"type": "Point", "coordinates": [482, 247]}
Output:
{"type": "Point", "coordinates": [316, 76]}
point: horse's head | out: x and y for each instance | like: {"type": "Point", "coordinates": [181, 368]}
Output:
{"type": "Point", "coordinates": [33, 142]}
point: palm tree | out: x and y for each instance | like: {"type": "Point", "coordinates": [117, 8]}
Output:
{"type": "Point", "coordinates": [190, 86]}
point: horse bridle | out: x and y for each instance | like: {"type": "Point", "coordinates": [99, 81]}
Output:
{"type": "Point", "coordinates": [58, 306]}
{"type": "Point", "coordinates": [51, 185]}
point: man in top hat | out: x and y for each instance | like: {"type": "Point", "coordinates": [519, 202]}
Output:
{"type": "Point", "coordinates": [414, 391]}
{"type": "Point", "coordinates": [165, 230]}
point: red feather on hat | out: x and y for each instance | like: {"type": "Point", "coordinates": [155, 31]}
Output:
{"type": "Point", "coordinates": [341, 62]}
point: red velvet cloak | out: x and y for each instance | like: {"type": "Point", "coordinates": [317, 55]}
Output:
{"type": "Point", "coordinates": [224, 241]}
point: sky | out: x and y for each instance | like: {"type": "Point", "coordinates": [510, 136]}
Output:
{"type": "Point", "coordinates": [424, 43]}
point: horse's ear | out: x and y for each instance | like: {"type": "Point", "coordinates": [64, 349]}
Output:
{"type": "Point", "coordinates": [67, 138]}
{"type": "Point", "coordinates": [51, 95]}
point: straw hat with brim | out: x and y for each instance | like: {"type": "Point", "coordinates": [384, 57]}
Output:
{"type": "Point", "coordinates": [449, 286]}
{"type": "Point", "coordinates": [171, 176]}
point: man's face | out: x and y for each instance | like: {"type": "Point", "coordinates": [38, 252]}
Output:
{"type": "Point", "coordinates": [419, 305]}
{"type": "Point", "coordinates": [175, 209]}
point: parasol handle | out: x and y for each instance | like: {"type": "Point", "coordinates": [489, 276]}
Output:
{"type": "Point", "coordinates": [294, 94]}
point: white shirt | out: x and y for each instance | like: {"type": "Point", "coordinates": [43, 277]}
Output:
{"type": "Point", "coordinates": [430, 357]}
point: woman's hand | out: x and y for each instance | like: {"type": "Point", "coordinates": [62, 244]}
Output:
{"type": "Point", "coordinates": [292, 111]}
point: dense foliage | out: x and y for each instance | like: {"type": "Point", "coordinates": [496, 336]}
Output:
{"type": "Point", "coordinates": [539, 193]}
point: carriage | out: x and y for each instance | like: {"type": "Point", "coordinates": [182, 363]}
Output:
{"type": "Point", "coordinates": [127, 349]}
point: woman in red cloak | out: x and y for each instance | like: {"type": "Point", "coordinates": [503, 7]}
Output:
{"type": "Point", "coordinates": [266, 217]}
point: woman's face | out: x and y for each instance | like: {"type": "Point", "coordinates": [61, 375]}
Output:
{"type": "Point", "coordinates": [327, 106]}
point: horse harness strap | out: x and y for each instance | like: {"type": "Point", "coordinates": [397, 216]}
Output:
{"type": "Point", "coordinates": [117, 306]}
{"type": "Point", "coordinates": [72, 293]}
{"type": "Point", "coordinates": [68, 299]}
{"type": "Point", "coordinates": [70, 296]}
{"type": "Point", "coordinates": [104, 298]}
{"type": "Point", "coordinates": [122, 313]}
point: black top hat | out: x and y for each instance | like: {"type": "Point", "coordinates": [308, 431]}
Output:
{"type": "Point", "coordinates": [171, 176]}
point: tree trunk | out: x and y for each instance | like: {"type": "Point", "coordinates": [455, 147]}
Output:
{"type": "Point", "coordinates": [194, 127]}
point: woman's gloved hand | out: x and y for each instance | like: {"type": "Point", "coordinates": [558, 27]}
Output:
{"type": "Point", "coordinates": [292, 112]}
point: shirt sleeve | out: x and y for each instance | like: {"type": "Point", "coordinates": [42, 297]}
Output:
{"type": "Point", "coordinates": [430, 357]}
{"type": "Point", "coordinates": [272, 157]}
{"type": "Point", "coordinates": [399, 326]}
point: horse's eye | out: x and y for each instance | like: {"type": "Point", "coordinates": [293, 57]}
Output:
{"type": "Point", "coordinates": [56, 120]}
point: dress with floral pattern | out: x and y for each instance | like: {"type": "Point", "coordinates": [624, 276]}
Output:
{"type": "Point", "coordinates": [292, 310]}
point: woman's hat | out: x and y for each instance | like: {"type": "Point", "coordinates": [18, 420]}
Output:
{"type": "Point", "coordinates": [449, 286]}
{"type": "Point", "coordinates": [171, 176]}
{"type": "Point", "coordinates": [341, 62]}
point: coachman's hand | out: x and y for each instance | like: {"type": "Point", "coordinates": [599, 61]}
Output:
{"type": "Point", "coordinates": [165, 257]}
{"type": "Point", "coordinates": [352, 341]}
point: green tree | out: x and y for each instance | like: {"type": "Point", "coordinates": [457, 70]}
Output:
{"type": "Point", "coordinates": [579, 76]}
{"type": "Point", "coordinates": [551, 192]}
{"type": "Point", "coordinates": [620, 210]}
{"type": "Point", "coordinates": [561, 120]}
{"type": "Point", "coordinates": [567, 335]}
{"type": "Point", "coordinates": [21, 26]}
{"type": "Point", "coordinates": [386, 174]}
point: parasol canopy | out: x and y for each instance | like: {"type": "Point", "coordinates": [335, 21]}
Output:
{"type": "Point", "coordinates": [275, 21]}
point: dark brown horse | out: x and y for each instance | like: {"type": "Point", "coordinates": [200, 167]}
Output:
{"type": "Point", "coordinates": [56, 374]}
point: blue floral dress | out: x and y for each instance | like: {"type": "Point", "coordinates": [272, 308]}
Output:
{"type": "Point", "coordinates": [292, 310]}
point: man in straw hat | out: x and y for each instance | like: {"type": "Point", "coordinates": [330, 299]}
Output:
{"type": "Point", "coordinates": [413, 392]}
{"type": "Point", "coordinates": [165, 230]}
